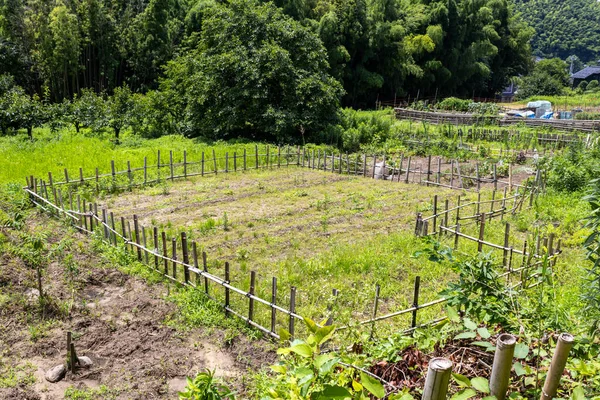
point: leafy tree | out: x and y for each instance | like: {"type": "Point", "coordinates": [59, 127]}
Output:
{"type": "Point", "coordinates": [118, 110]}
{"type": "Point", "coordinates": [86, 110]}
{"type": "Point", "coordinates": [28, 112]}
{"type": "Point", "coordinates": [549, 77]}
{"type": "Point", "coordinates": [255, 72]}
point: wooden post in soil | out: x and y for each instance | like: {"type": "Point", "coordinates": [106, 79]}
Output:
{"type": "Point", "coordinates": [438, 377]}
{"type": "Point", "coordinates": [205, 269]}
{"type": "Point", "coordinates": [136, 228]}
{"type": "Point", "coordinates": [273, 303]}
{"type": "Point", "coordinates": [186, 258]}
{"type": "Point", "coordinates": [415, 303]}
{"type": "Point", "coordinates": [429, 174]}
{"type": "Point", "coordinates": [227, 280]}
{"type": "Point", "coordinates": [506, 250]}
{"type": "Point", "coordinates": [557, 367]}
{"type": "Point", "coordinates": [435, 203]}
{"type": "Point", "coordinates": [155, 237]}
{"type": "Point", "coordinates": [174, 256]}
{"type": "Point", "coordinates": [505, 349]}
{"type": "Point", "coordinates": [408, 169]}
{"type": "Point", "coordinates": [375, 307]}
{"type": "Point", "coordinates": [292, 310]}
{"type": "Point", "coordinates": [164, 253]}
{"type": "Point", "coordinates": [214, 161]}
{"type": "Point", "coordinates": [481, 233]}
{"type": "Point", "coordinates": [251, 296]}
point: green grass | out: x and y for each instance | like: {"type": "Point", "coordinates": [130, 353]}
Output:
{"type": "Point", "coordinates": [569, 101]}
{"type": "Point", "coordinates": [102, 392]}
{"type": "Point", "coordinates": [16, 375]}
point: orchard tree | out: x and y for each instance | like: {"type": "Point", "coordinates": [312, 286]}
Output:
{"type": "Point", "coordinates": [118, 110]}
{"type": "Point", "coordinates": [29, 112]}
{"type": "Point", "coordinates": [255, 72]}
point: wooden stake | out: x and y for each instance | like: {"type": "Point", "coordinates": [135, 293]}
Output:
{"type": "Point", "coordinates": [557, 367]}
{"type": "Point", "coordinates": [438, 377]}
{"type": "Point", "coordinates": [505, 349]}
{"type": "Point", "coordinates": [186, 259]}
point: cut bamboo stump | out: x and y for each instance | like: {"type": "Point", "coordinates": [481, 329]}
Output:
{"type": "Point", "coordinates": [438, 377]}
{"type": "Point", "coordinates": [505, 350]}
{"type": "Point", "coordinates": [559, 360]}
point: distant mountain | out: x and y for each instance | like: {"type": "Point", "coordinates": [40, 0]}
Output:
{"type": "Point", "coordinates": [563, 27]}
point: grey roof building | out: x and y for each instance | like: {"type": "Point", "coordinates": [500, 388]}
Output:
{"type": "Point", "coordinates": [586, 74]}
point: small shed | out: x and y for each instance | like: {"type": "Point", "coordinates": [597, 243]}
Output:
{"type": "Point", "coordinates": [586, 74]}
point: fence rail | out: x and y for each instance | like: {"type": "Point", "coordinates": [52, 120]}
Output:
{"type": "Point", "coordinates": [188, 270]}
{"type": "Point", "coordinates": [474, 119]}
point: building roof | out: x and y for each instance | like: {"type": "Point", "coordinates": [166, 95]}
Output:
{"type": "Point", "coordinates": [586, 72]}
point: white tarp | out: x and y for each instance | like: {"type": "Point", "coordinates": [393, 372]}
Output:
{"type": "Point", "coordinates": [543, 104]}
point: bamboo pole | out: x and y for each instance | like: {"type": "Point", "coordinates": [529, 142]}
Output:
{"type": "Point", "coordinates": [557, 367]}
{"type": "Point", "coordinates": [505, 350]}
{"type": "Point", "coordinates": [438, 377]}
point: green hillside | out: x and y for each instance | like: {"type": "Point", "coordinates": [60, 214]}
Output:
{"type": "Point", "coordinates": [564, 28]}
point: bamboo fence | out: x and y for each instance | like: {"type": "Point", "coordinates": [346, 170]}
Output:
{"type": "Point", "coordinates": [186, 267]}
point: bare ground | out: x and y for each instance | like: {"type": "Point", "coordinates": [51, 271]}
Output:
{"type": "Point", "coordinates": [116, 320]}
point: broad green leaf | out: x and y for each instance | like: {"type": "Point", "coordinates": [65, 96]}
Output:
{"type": "Point", "coordinates": [578, 393]}
{"type": "Point", "coordinates": [332, 393]}
{"type": "Point", "coordinates": [470, 325]}
{"type": "Point", "coordinates": [529, 381]}
{"type": "Point", "coordinates": [461, 380]}
{"type": "Point", "coordinates": [373, 385]}
{"type": "Point", "coordinates": [281, 369]}
{"type": "Point", "coordinates": [484, 333]}
{"type": "Point", "coordinates": [284, 351]}
{"type": "Point", "coordinates": [304, 375]}
{"type": "Point", "coordinates": [284, 335]}
{"type": "Point", "coordinates": [311, 324]}
{"type": "Point", "coordinates": [452, 314]}
{"type": "Point", "coordinates": [357, 386]}
{"type": "Point", "coordinates": [490, 398]}
{"type": "Point", "coordinates": [324, 334]}
{"type": "Point", "coordinates": [302, 350]}
{"type": "Point", "coordinates": [481, 384]}
{"type": "Point", "coordinates": [519, 369]}
{"type": "Point", "coordinates": [487, 345]}
{"type": "Point", "coordinates": [465, 335]}
{"type": "Point", "coordinates": [405, 396]}
{"type": "Point", "coordinates": [464, 394]}
{"type": "Point", "coordinates": [328, 366]}
{"type": "Point", "coordinates": [521, 350]}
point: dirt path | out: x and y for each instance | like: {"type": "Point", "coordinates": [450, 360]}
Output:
{"type": "Point", "coordinates": [116, 320]}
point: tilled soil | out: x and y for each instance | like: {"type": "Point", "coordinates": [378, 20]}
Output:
{"type": "Point", "coordinates": [116, 320]}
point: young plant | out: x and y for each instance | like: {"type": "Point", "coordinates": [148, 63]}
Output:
{"type": "Point", "coordinates": [206, 386]}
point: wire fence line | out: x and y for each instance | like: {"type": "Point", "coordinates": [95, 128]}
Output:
{"type": "Point", "coordinates": [185, 266]}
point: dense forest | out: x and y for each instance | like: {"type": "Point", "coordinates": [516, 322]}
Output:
{"type": "Point", "coordinates": [248, 67]}
{"type": "Point", "coordinates": [564, 28]}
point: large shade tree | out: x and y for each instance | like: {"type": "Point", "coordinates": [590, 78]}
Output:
{"type": "Point", "coordinates": [254, 71]}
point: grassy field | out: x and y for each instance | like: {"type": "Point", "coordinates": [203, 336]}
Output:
{"type": "Point", "coordinates": [587, 101]}
{"type": "Point", "coordinates": [321, 231]}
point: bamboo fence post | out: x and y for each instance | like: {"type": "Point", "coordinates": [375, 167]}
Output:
{"type": "Point", "coordinates": [415, 301]}
{"type": "Point", "coordinates": [557, 367]}
{"type": "Point", "coordinates": [105, 224]}
{"type": "Point", "coordinates": [214, 160]}
{"type": "Point", "coordinates": [477, 176]}
{"type": "Point", "coordinates": [165, 261]}
{"type": "Point", "coordinates": [429, 175]}
{"type": "Point", "coordinates": [478, 204]}
{"type": "Point", "coordinates": [129, 176]}
{"type": "Point", "coordinates": [81, 174]}
{"type": "Point", "coordinates": [171, 164]}
{"type": "Point", "coordinates": [375, 307]}
{"type": "Point", "coordinates": [439, 170]}
{"type": "Point", "coordinates": [457, 209]}
{"type": "Point", "coordinates": [273, 303]}
{"type": "Point", "coordinates": [332, 162]}
{"type": "Point", "coordinates": [185, 164]}
{"type": "Point", "coordinates": [364, 165]}
{"type": "Point", "coordinates": [492, 203]}
{"type": "Point", "coordinates": [256, 156]}
{"type": "Point", "coordinates": [408, 169]}
{"type": "Point", "coordinates": [418, 224]}
{"type": "Point", "coordinates": [130, 236]}
{"type": "Point", "coordinates": [226, 288]}
{"type": "Point", "coordinates": [279, 156]}
{"type": "Point", "coordinates": [205, 269]}
{"type": "Point", "coordinates": [251, 296]}
{"type": "Point", "coordinates": [123, 231]}
{"type": "Point", "coordinates": [435, 206]}
{"type": "Point", "coordinates": [145, 244]}
{"type": "Point", "coordinates": [113, 234]}
{"type": "Point", "coordinates": [155, 237]}
{"type": "Point", "coordinates": [506, 237]}
{"type": "Point", "coordinates": [195, 257]}
{"type": "Point", "coordinates": [456, 236]}
{"type": "Point", "coordinates": [446, 207]}
{"type": "Point", "coordinates": [245, 160]}
{"type": "Point", "coordinates": [374, 165]}
{"type": "Point", "coordinates": [66, 176]}
{"type": "Point", "coordinates": [226, 162]}
{"type": "Point", "coordinates": [481, 233]}
{"type": "Point", "coordinates": [438, 377]}
{"type": "Point", "coordinates": [202, 164]}
{"type": "Point", "coordinates": [495, 178]}
{"type": "Point", "coordinates": [97, 181]}
{"type": "Point", "coordinates": [292, 310]}
{"type": "Point", "coordinates": [186, 258]}
{"type": "Point", "coordinates": [174, 256]}
{"type": "Point", "coordinates": [510, 178]}
{"type": "Point", "coordinates": [505, 349]}
{"type": "Point", "coordinates": [340, 166]}
{"type": "Point", "coordinates": [145, 170]}
{"type": "Point", "coordinates": [136, 228]}
{"type": "Point", "coordinates": [158, 165]}
{"type": "Point", "coordinates": [451, 174]}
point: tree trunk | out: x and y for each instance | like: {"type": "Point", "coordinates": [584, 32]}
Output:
{"type": "Point", "coordinates": [117, 130]}
{"type": "Point", "coordinates": [77, 127]}
{"type": "Point", "coordinates": [30, 132]}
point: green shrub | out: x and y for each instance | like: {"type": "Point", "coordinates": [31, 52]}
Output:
{"type": "Point", "coordinates": [454, 104]}
{"type": "Point", "coordinates": [587, 116]}
{"type": "Point", "coordinates": [593, 85]}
